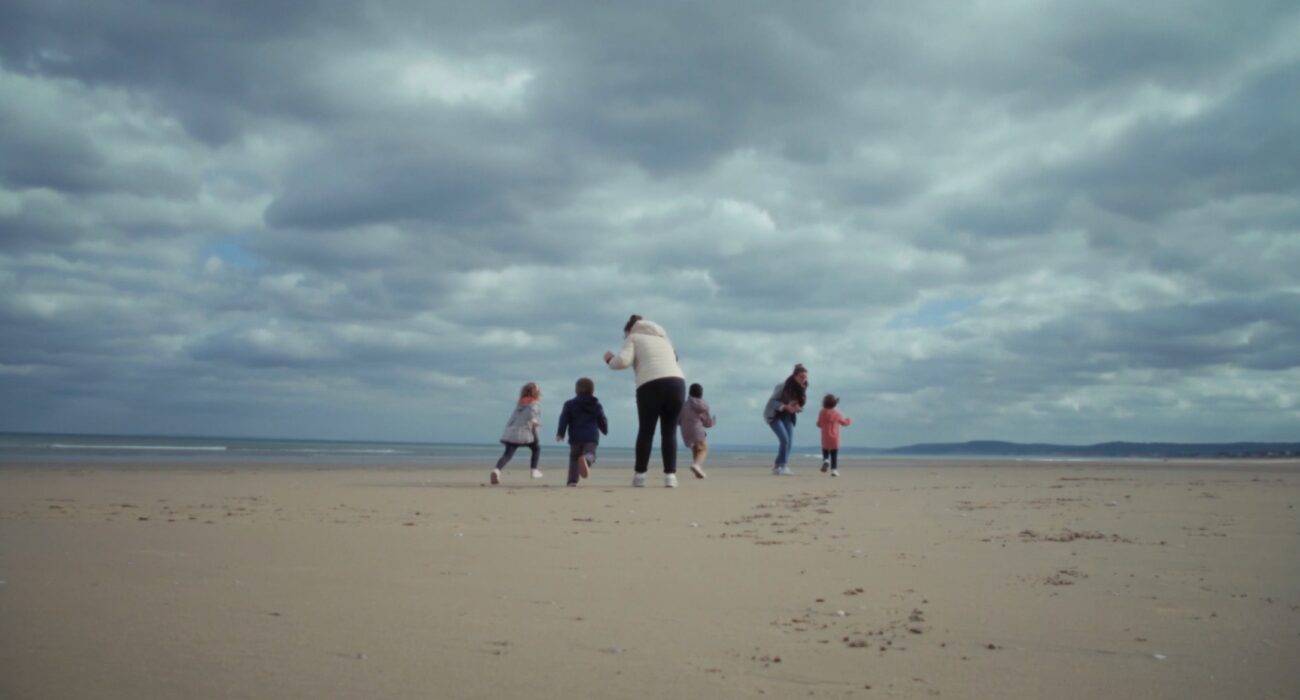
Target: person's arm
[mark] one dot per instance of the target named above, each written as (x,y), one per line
(563,424)
(706,420)
(602,422)
(625,356)
(846,421)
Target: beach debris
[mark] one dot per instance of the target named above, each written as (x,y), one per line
(613,650)
(695,524)
(361,656)
(1064,577)
(1159,657)
(1112,503)
(992,647)
(1068,535)
(841,613)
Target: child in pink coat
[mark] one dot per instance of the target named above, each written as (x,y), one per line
(830,420)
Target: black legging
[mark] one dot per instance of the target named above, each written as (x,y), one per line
(659,401)
(510,452)
(833,456)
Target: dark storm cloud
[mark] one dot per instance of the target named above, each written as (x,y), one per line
(216,65)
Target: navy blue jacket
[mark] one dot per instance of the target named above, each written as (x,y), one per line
(584,418)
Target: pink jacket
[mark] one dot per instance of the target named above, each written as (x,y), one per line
(830,420)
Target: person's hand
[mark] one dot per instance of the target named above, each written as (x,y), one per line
(559,438)
(793,407)
(608,356)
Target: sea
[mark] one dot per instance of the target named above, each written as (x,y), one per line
(56,450)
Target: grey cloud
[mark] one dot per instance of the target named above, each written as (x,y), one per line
(385,180)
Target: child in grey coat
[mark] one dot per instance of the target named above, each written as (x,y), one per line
(521,431)
(694,419)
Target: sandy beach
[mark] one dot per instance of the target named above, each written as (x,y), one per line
(958,579)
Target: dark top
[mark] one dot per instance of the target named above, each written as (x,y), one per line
(584,418)
(794,391)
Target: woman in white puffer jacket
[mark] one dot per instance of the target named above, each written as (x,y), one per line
(660,393)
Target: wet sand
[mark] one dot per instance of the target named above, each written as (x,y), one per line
(971,579)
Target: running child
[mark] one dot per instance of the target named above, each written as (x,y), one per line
(830,420)
(584,419)
(521,430)
(695,418)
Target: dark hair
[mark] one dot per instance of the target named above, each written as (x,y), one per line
(631,322)
(697,391)
(830,401)
(529,389)
(799,368)
(585,386)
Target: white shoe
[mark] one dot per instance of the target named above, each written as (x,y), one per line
(536,473)
(698,471)
(638,480)
(826,464)
(496,477)
(784,471)
(776,469)
(670,481)
(835,472)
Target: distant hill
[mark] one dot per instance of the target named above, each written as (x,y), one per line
(997,448)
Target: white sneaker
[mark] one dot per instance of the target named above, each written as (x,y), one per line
(698,471)
(776,469)
(638,480)
(496,477)
(826,464)
(536,473)
(784,471)
(835,472)
(670,481)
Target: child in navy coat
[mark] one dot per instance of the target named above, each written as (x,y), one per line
(584,419)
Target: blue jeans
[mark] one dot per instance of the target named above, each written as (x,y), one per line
(783,426)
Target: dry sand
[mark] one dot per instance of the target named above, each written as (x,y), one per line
(900,579)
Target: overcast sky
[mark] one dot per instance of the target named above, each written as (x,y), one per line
(1033,221)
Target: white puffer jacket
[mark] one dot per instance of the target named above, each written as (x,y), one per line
(647,350)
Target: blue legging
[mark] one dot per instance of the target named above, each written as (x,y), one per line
(783,426)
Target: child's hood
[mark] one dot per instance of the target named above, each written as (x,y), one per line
(588,404)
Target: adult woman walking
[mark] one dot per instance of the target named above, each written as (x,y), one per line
(660,393)
(786,402)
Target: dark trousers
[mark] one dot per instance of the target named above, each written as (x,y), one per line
(659,401)
(576,450)
(833,456)
(510,452)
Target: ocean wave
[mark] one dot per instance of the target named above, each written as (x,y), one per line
(169,448)
(329,451)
